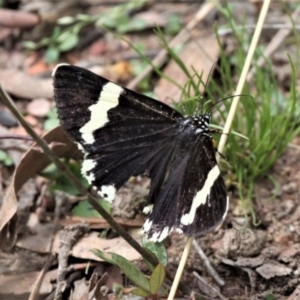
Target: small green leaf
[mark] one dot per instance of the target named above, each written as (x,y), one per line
(84,209)
(5,158)
(69,43)
(52,54)
(158,249)
(140,292)
(131,25)
(128,268)
(118,290)
(66,20)
(157,278)
(174,25)
(270,297)
(63,36)
(83,17)
(50,124)
(29,45)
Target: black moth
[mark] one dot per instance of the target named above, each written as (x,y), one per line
(124,134)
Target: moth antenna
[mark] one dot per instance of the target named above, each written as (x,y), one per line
(205,88)
(183,108)
(224,99)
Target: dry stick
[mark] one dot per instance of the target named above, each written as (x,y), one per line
(92,200)
(211,287)
(226,31)
(182,37)
(34,294)
(212,272)
(226,129)
(274,44)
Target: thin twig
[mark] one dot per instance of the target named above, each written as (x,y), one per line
(16,137)
(34,294)
(211,287)
(225,31)
(227,128)
(212,272)
(242,80)
(182,37)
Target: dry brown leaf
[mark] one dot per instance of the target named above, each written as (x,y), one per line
(272,269)
(5,32)
(17,19)
(200,55)
(22,283)
(80,287)
(99,223)
(117,245)
(250,262)
(33,162)
(20,84)
(39,107)
(242,242)
(114,276)
(41,240)
(295,295)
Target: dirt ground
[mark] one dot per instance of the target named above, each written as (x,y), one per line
(42,228)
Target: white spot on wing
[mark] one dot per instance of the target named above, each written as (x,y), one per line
(88,165)
(201,196)
(109,98)
(156,236)
(79,146)
(108,192)
(147,226)
(179,230)
(160,236)
(148,209)
(55,69)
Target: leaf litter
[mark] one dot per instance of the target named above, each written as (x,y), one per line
(262,260)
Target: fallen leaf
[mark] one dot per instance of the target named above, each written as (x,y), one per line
(32,121)
(20,84)
(40,242)
(5,33)
(116,245)
(288,254)
(114,276)
(33,161)
(17,18)
(19,130)
(272,269)
(250,262)
(37,67)
(39,107)
(22,283)
(199,55)
(79,291)
(295,295)
(100,223)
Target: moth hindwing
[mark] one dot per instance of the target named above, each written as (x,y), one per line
(123,134)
